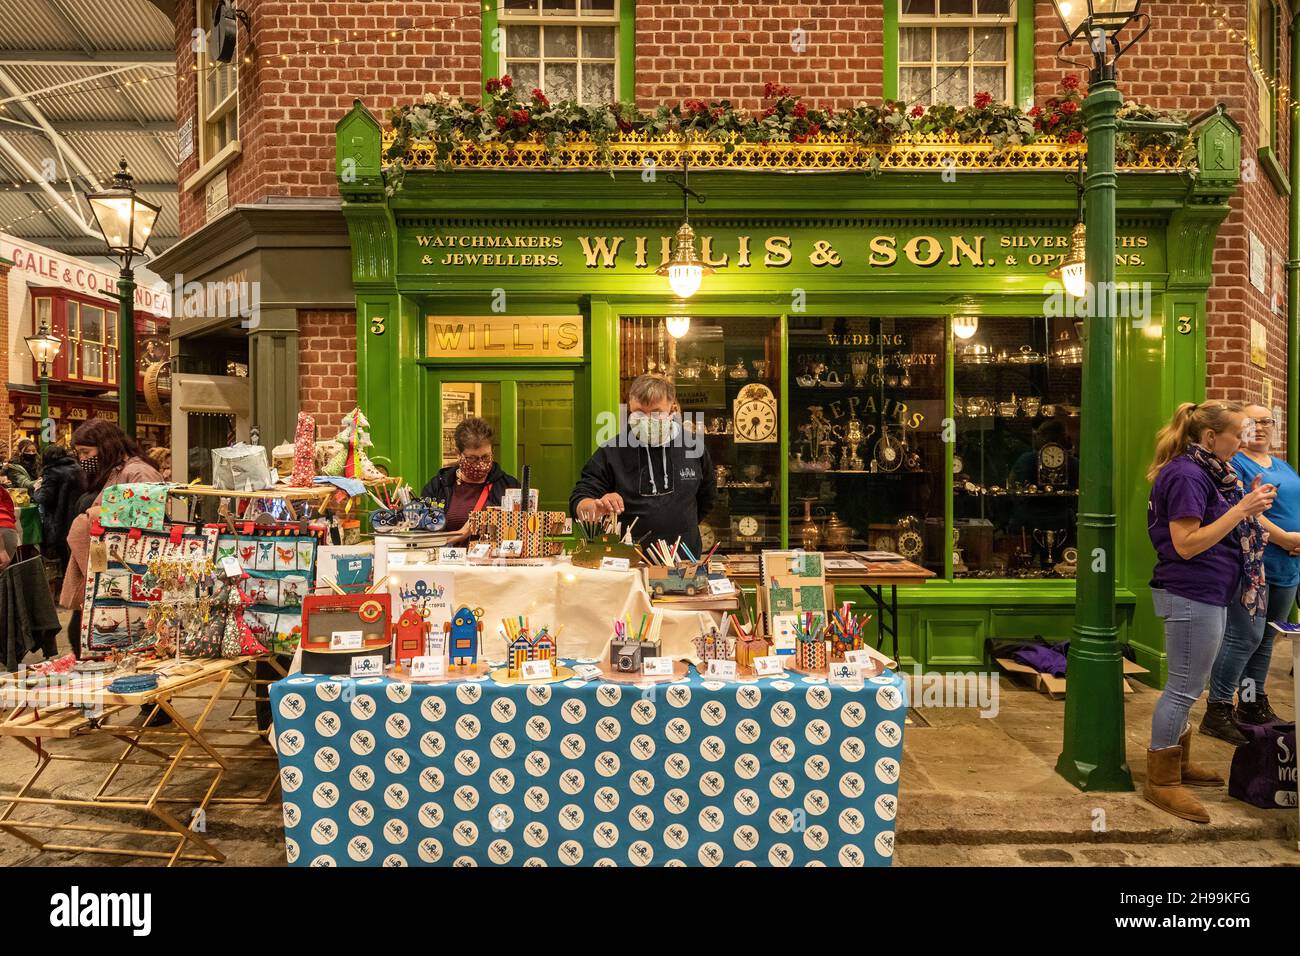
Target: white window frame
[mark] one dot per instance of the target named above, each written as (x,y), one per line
(211,114)
(972,23)
(508,18)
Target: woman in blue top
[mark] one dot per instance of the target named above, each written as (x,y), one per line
(1243,659)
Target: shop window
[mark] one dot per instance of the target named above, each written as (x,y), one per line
(947,51)
(727,371)
(218,95)
(1017,387)
(865,430)
(92,343)
(569,48)
(1262,51)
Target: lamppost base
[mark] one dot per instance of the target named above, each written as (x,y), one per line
(1091,777)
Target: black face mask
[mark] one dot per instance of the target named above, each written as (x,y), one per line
(28,461)
(90,465)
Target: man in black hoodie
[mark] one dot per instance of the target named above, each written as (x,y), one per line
(652,471)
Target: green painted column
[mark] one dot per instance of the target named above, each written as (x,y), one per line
(126,352)
(1093,757)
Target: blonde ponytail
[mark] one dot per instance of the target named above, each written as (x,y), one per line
(1190,421)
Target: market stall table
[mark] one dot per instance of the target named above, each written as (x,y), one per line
(585,601)
(57,723)
(785,771)
(874,578)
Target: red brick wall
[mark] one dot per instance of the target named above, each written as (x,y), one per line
(728,51)
(288,109)
(327,366)
(1169,69)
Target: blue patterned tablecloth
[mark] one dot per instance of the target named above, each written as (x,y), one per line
(775,771)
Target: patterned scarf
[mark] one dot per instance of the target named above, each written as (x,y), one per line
(1250,533)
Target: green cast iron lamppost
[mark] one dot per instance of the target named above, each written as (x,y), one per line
(126,221)
(1092,757)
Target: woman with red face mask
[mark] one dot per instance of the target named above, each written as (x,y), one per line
(475,482)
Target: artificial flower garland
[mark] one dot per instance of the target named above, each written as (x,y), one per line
(507,117)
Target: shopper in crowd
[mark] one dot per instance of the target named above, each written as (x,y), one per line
(650,474)
(22,470)
(107,456)
(161,457)
(60,488)
(8,528)
(475,481)
(1242,663)
(1209,554)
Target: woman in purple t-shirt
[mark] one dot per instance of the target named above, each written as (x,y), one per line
(1209,552)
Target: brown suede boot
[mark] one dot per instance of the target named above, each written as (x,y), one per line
(1164,787)
(1194,775)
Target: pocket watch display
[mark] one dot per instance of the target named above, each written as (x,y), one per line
(888,455)
(747,528)
(910,542)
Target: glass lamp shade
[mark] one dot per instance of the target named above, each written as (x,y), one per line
(44,346)
(1107,15)
(125,219)
(685,270)
(678,325)
(964,326)
(1071,269)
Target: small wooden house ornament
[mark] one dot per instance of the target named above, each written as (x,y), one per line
(525,646)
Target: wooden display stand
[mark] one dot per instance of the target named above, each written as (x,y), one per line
(56,731)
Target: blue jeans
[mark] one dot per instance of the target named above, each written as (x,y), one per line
(1248,647)
(1193,633)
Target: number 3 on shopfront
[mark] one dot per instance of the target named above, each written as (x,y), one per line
(1184,325)
(377,325)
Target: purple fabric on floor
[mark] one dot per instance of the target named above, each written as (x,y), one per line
(1044,658)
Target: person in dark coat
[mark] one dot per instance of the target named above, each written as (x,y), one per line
(21,470)
(475,482)
(62,483)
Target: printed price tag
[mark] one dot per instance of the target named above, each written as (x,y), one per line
(870,665)
(721,586)
(657,666)
(845,674)
(480,551)
(428,666)
(768,666)
(587,672)
(512,549)
(614,564)
(451,555)
(725,670)
(230,567)
(369,665)
(345,641)
(536,670)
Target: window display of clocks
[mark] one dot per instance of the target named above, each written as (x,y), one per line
(1017,387)
(867,400)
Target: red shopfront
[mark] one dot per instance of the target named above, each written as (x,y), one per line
(84,376)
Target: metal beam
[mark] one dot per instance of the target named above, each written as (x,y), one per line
(62,146)
(164,188)
(86,58)
(34,175)
(152,127)
(87,248)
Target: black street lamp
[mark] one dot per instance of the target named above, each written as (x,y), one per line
(126,222)
(1092,752)
(44,346)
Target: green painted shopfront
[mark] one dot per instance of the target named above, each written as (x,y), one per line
(910,376)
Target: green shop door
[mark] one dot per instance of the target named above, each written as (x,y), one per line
(541,418)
